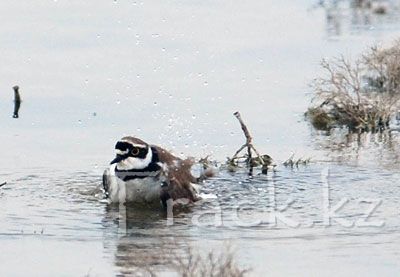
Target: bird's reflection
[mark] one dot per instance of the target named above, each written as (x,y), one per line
(140,239)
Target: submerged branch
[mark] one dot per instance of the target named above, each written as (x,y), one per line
(258,160)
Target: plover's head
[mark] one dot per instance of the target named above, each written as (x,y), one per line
(132,153)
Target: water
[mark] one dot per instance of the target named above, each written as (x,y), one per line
(173,73)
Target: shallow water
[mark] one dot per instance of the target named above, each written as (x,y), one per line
(173,73)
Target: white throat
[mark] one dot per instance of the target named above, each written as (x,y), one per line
(136,163)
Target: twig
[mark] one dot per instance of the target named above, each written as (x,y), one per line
(3,184)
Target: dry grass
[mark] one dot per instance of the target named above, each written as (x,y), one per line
(192,263)
(363,94)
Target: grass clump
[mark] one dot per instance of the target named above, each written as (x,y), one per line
(362,95)
(293,162)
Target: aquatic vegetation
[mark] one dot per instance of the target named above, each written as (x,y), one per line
(378,7)
(293,162)
(362,95)
(373,6)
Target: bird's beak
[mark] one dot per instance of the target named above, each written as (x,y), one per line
(117,159)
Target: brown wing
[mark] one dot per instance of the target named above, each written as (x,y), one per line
(178,175)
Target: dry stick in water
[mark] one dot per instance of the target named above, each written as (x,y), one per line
(249,143)
(17,101)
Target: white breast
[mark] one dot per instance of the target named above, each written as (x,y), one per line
(144,190)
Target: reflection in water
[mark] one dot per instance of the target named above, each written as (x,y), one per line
(144,244)
(147,246)
(378,149)
(143,240)
(357,15)
(140,241)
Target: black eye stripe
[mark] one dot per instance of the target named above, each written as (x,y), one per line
(123,146)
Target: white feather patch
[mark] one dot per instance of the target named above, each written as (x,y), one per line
(120,152)
(134,144)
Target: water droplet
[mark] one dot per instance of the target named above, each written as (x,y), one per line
(205,83)
(155,103)
(193,116)
(79,121)
(118,102)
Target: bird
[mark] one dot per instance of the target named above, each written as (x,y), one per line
(147,174)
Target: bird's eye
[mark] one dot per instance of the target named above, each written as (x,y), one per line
(135,151)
